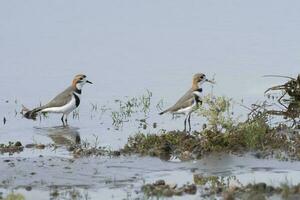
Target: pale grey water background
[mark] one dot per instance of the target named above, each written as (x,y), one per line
(126,47)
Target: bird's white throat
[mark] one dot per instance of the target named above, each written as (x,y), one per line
(79,86)
(201,82)
(199,94)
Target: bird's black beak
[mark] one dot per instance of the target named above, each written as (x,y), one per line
(89,82)
(210,81)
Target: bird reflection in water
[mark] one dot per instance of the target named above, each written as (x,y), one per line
(64,135)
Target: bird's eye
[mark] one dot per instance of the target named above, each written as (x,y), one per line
(80,78)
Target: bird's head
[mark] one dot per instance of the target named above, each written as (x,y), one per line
(200,78)
(79,81)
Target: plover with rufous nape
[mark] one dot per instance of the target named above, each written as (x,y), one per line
(65,102)
(190,100)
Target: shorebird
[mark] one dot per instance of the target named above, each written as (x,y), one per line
(190,100)
(65,102)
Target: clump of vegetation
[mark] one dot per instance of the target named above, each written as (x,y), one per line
(13,196)
(223,134)
(214,185)
(161,189)
(80,151)
(68,193)
(254,132)
(11,148)
(213,181)
(229,188)
(263,191)
(84,149)
(160,145)
(218,113)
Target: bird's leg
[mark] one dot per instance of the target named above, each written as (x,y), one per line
(294,123)
(62,119)
(189,120)
(66,119)
(185,124)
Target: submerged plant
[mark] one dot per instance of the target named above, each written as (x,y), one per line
(145,102)
(130,106)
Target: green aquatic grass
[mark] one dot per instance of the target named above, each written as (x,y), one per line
(13,196)
(253,132)
(129,106)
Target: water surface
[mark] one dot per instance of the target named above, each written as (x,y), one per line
(126,48)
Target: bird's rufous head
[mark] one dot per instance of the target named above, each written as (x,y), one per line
(80,80)
(200,78)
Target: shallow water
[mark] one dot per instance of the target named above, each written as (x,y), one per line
(122,177)
(124,48)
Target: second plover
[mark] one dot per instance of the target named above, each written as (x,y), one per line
(190,100)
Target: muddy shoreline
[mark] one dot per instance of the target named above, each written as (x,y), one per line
(128,174)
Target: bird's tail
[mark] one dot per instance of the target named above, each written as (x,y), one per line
(163,112)
(31,114)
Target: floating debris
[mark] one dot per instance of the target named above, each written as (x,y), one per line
(292,87)
(291,105)
(37,146)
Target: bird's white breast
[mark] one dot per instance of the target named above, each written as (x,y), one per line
(186,110)
(66,109)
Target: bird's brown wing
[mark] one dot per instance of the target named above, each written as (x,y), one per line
(182,105)
(61,99)
(185,98)
(58,101)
